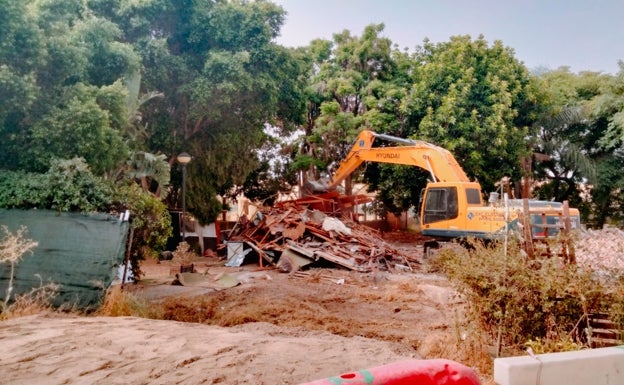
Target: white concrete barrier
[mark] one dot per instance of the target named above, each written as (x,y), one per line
(604,366)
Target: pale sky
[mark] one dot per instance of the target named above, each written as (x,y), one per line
(580,34)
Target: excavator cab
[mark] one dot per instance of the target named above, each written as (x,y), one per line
(448,207)
(442,201)
(440,205)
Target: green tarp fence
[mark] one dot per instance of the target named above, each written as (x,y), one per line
(79,252)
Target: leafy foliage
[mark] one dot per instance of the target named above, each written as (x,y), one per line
(342,88)
(67,102)
(524,299)
(275,175)
(223,81)
(68,185)
(75,188)
(150,222)
(399,187)
(79,129)
(151,171)
(477,101)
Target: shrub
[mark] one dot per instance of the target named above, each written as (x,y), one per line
(150,221)
(68,185)
(74,188)
(518,299)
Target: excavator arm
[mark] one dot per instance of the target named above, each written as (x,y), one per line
(438,161)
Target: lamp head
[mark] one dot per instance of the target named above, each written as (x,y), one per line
(184,158)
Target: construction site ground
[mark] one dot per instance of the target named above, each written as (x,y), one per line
(246,325)
(409,308)
(418,313)
(256,325)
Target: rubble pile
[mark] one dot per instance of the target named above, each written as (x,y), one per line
(601,248)
(293,236)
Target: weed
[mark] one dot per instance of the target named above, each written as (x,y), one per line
(184,254)
(12,249)
(514,299)
(37,301)
(119,303)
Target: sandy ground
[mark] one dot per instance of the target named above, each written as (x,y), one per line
(281,329)
(126,350)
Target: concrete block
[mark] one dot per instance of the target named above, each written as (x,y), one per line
(604,366)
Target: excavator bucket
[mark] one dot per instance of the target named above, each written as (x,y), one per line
(312,187)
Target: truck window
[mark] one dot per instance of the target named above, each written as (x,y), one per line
(473,196)
(440,204)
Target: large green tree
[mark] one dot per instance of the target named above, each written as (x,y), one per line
(21,54)
(477,101)
(71,63)
(347,73)
(223,81)
(607,149)
(565,141)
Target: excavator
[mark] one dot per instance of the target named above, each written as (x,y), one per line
(452,206)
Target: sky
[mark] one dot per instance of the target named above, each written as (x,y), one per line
(583,35)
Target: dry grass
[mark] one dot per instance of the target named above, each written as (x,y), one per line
(119,303)
(397,310)
(12,249)
(464,344)
(37,301)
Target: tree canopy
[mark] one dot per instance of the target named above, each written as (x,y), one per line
(127,85)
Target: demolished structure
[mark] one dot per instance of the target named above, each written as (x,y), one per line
(292,236)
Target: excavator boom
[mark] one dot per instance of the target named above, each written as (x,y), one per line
(438,161)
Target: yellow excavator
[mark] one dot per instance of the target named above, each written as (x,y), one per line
(452,206)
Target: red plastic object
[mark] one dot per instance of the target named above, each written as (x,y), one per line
(411,372)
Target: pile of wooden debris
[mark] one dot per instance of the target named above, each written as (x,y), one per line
(292,237)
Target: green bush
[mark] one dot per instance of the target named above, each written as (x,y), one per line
(150,221)
(75,188)
(523,299)
(68,185)
(21,190)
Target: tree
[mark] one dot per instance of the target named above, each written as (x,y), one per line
(343,83)
(607,110)
(21,53)
(477,101)
(76,127)
(222,80)
(570,140)
(71,103)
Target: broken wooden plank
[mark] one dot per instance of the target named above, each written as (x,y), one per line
(349,264)
(260,252)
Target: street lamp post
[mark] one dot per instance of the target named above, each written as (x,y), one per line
(183,159)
